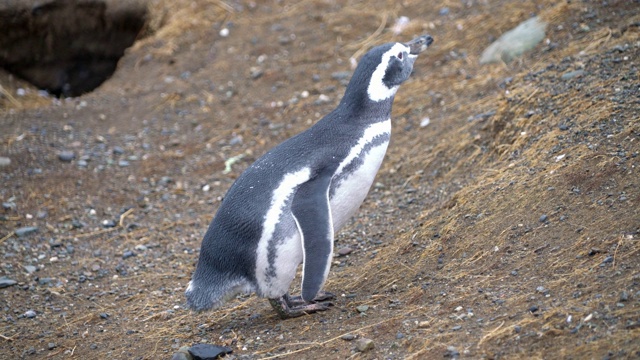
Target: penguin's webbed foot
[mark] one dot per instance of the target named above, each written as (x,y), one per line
(294,306)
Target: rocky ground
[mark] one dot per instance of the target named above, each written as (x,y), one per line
(504,222)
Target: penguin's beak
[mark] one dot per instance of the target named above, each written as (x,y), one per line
(419,44)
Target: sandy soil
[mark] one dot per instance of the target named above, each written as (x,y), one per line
(508,227)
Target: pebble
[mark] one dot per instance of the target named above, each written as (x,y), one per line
(30,314)
(4,161)
(117,150)
(340,75)
(51,346)
(182,354)
(66,155)
(127,254)
(208,351)
(343,251)
(6,282)
(30,269)
(544,218)
(108,223)
(123,163)
(517,329)
(624,296)
(456,328)
(423,324)
(348,337)
(27,230)
(8,205)
(399,336)
(515,42)
(571,74)
(451,352)
(364,344)
(362,308)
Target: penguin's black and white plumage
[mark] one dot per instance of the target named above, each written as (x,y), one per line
(286,207)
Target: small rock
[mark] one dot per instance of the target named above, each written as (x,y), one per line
(30,314)
(45,281)
(364,344)
(30,269)
(8,205)
(348,337)
(444,11)
(108,223)
(4,161)
(127,254)
(6,282)
(343,251)
(66,155)
(123,163)
(624,296)
(608,259)
(456,328)
(340,75)
(224,32)
(515,42)
(104,316)
(27,230)
(182,354)
(534,308)
(208,351)
(399,336)
(51,346)
(543,218)
(423,324)
(514,273)
(451,352)
(517,329)
(322,99)
(362,308)
(541,289)
(571,74)
(117,150)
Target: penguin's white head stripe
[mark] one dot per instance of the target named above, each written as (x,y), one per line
(377,89)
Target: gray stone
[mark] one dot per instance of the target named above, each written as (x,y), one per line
(345,250)
(6,282)
(66,155)
(27,230)
(515,42)
(571,74)
(208,351)
(364,344)
(4,161)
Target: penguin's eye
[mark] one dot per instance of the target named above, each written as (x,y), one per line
(400,56)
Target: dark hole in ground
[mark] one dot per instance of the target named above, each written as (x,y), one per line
(67,47)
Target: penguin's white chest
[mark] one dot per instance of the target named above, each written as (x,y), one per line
(356,173)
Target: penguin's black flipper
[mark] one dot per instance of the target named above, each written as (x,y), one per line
(311,210)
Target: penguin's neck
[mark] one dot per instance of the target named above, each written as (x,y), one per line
(357,106)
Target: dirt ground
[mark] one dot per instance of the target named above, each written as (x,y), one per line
(508,227)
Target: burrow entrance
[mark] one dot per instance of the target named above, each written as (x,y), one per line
(67,47)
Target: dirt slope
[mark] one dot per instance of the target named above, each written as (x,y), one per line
(508,227)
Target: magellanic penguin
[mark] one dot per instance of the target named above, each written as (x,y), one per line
(286,207)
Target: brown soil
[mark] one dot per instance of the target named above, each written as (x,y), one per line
(508,227)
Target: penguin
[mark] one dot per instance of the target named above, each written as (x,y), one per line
(285,208)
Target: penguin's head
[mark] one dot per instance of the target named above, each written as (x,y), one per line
(387,66)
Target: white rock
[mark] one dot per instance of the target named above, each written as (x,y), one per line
(515,42)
